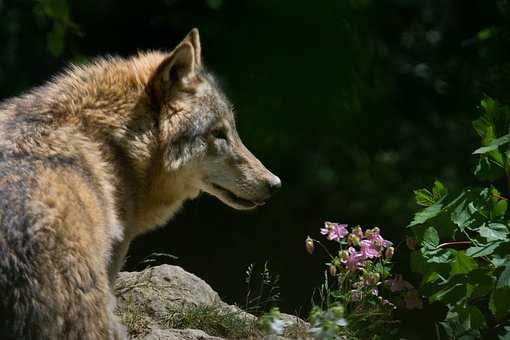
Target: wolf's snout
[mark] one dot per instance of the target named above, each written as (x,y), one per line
(274,183)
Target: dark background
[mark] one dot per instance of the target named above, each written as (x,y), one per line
(352,103)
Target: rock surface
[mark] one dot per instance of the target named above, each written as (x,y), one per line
(152,302)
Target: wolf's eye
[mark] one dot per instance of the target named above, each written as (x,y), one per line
(219,134)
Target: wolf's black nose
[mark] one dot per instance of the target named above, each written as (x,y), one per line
(274,184)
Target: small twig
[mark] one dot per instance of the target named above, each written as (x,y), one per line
(456,243)
(501,197)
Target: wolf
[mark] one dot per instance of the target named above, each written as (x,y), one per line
(100,154)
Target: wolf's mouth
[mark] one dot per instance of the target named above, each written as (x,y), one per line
(230,196)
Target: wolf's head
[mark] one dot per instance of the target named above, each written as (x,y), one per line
(199,132)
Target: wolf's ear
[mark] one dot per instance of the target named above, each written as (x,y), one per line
(193,38)
(179,66)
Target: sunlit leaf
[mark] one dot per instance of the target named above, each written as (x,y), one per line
(484,250)
(463,264)
(504,278)
(494,231)
(493,145)
(427,213)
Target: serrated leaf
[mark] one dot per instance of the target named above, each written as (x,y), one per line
(430,238)
(499,208)
(494,232)
(441,256)
(484,250)
(427,213)
(424,197)
(485,128)
(463,264)
(493,145)
(504,278)
(439,190)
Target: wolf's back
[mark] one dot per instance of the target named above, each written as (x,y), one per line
(19,315)
(52,248)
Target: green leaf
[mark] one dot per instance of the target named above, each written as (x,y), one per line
(484,250)
(494,232)
(56,9)
(485,34)
(493,145)
(499,208)
(463,264)
(424,197)
(430,238)
(439,189)
(488,169)
(504,333)
(482,281)
(484,126)
(215,4)
(499,303)
(418,264)
(451,294)
(55,39)
(427,213)
(504,278)
(471,318)
(440,256)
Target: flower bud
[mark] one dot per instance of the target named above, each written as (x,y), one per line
(343,255)
(368,233)
(358,232)
(389,252)
(353,240)
(371,279)
(332,270)
(309,246)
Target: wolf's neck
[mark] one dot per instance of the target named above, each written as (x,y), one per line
(108,102)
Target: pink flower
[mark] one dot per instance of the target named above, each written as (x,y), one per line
(387,303)
(354,259)
(398,284)
(368,251)
(412,300)
(334,231)
(378,241)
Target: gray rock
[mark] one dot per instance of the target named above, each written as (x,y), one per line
(148,300)
(162,288)
(178,334)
